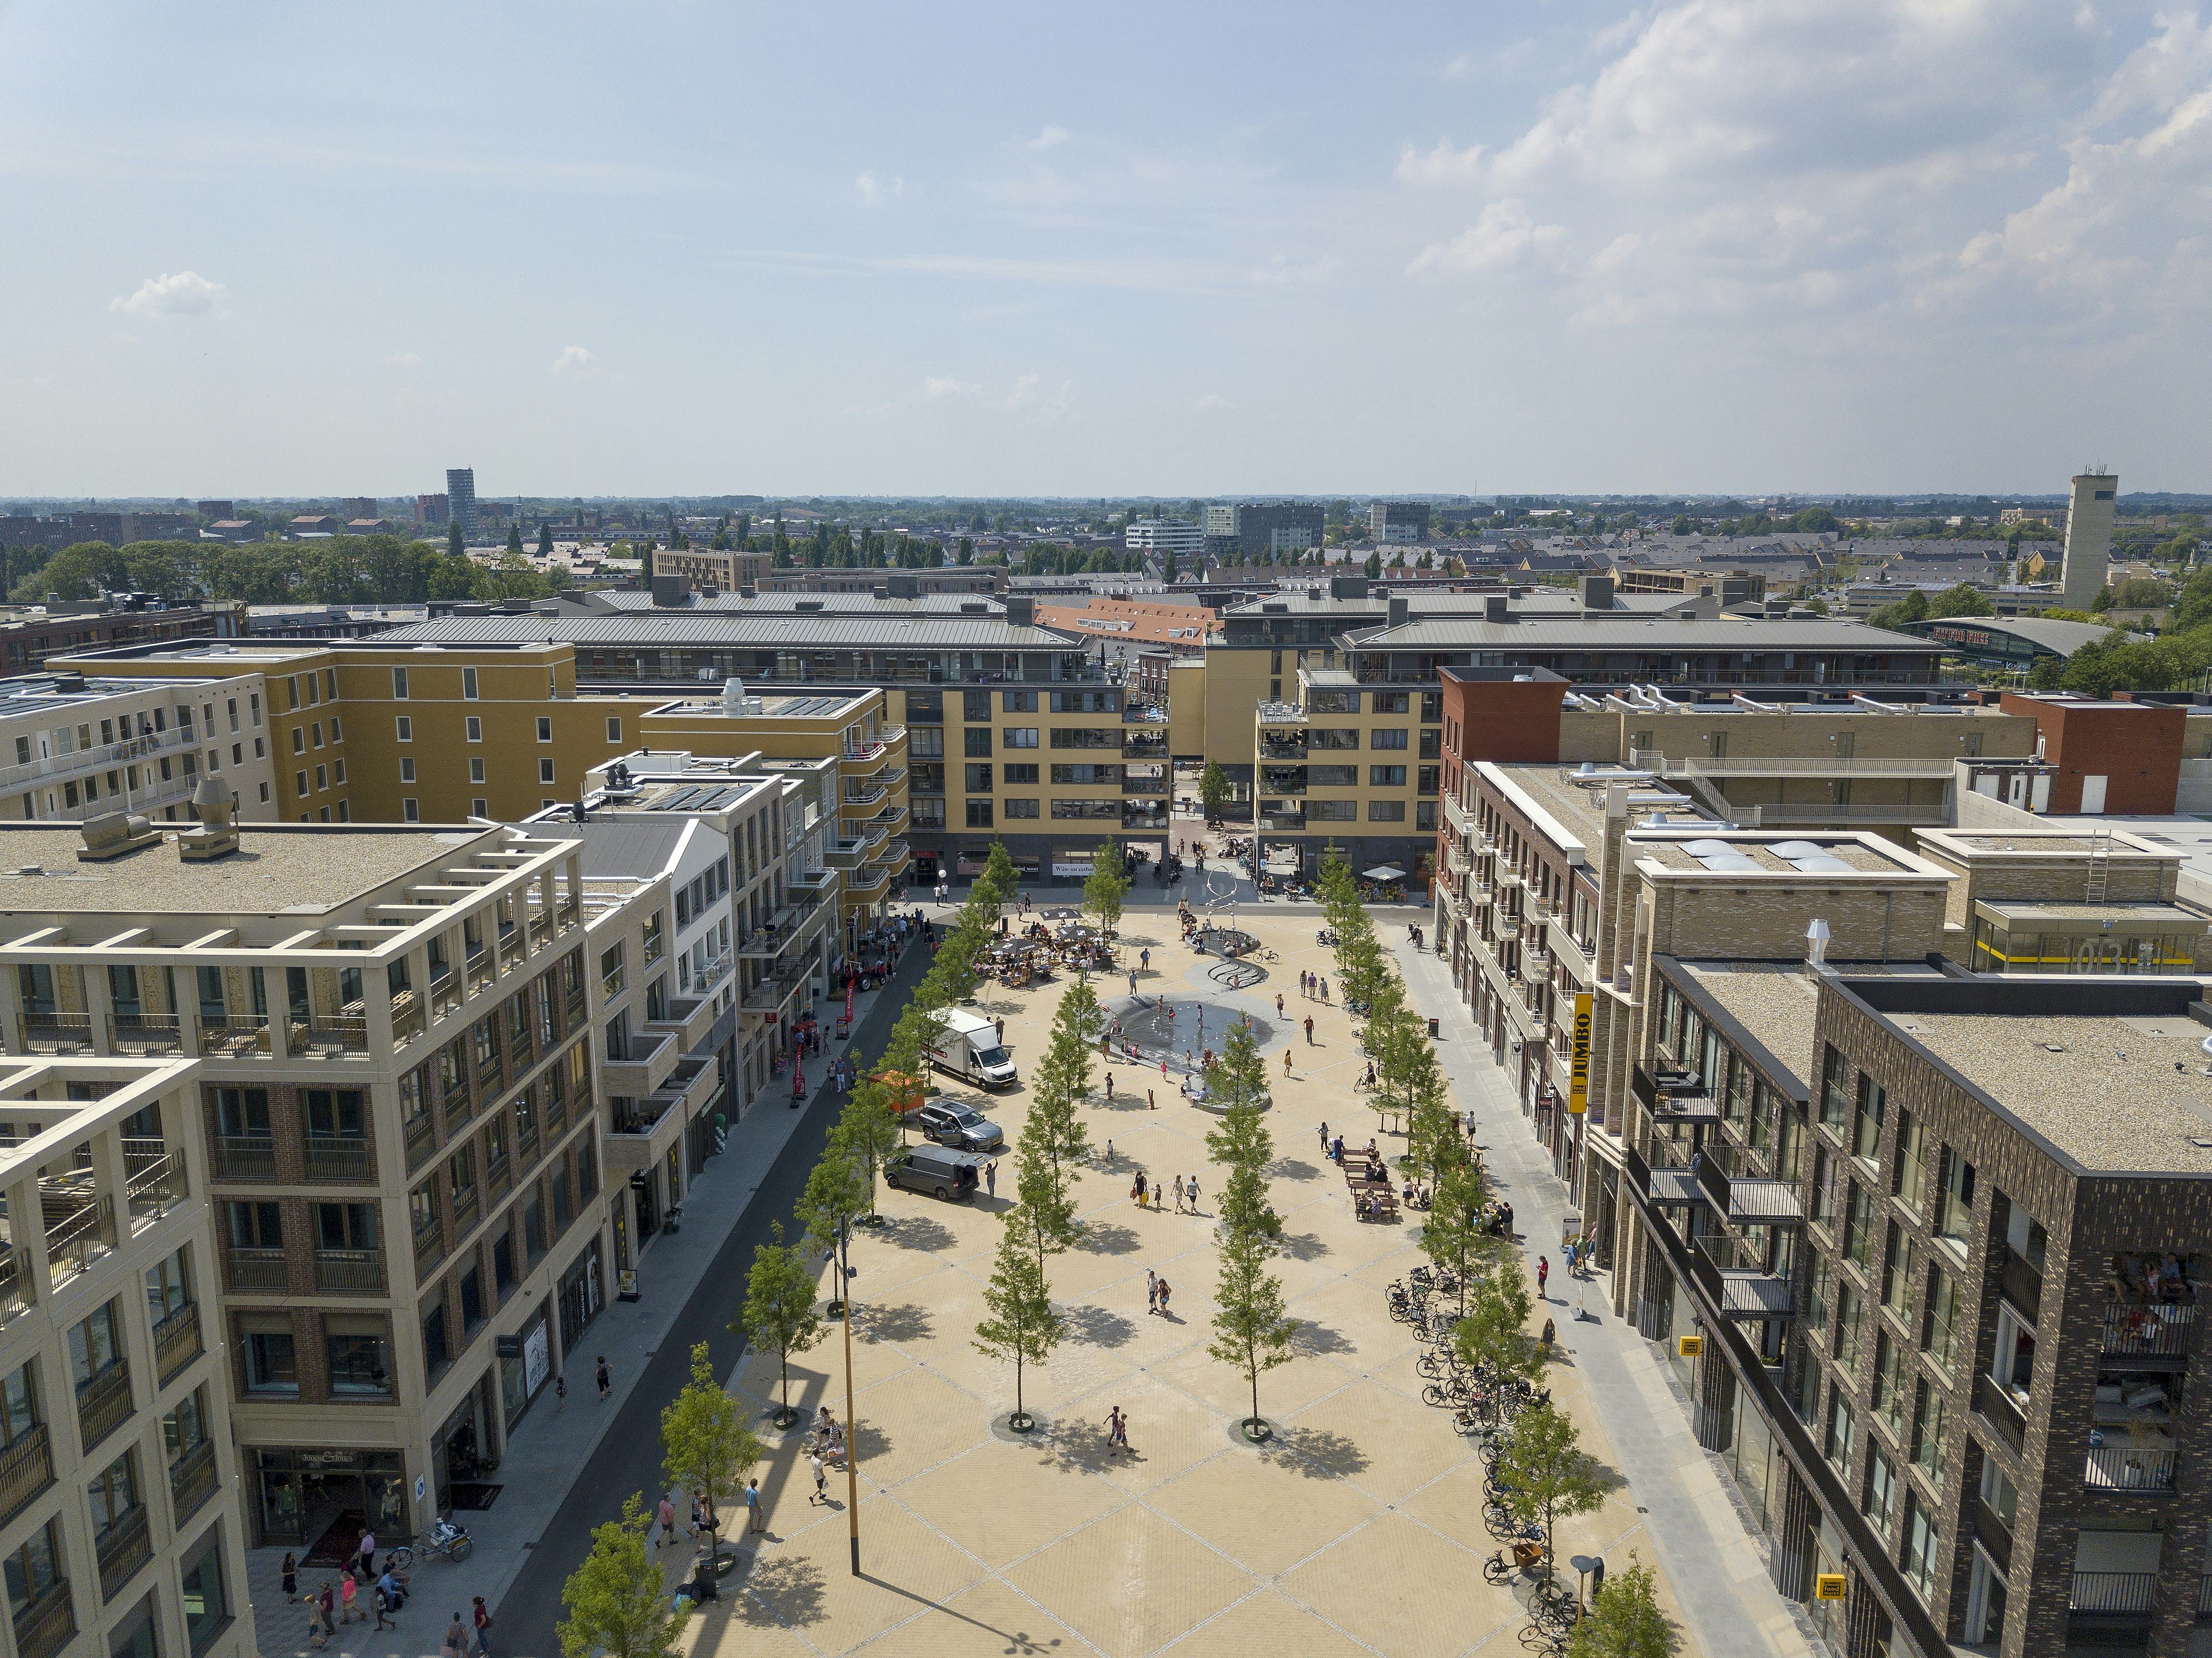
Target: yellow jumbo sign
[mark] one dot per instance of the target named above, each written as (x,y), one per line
(1578,1073)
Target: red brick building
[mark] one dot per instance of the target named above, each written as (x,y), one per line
(2112,756)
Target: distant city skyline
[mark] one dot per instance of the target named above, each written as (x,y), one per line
(1699,246)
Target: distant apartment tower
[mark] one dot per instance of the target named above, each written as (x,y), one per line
(2088,557)
(1161,536)
(461,497)
(1255,528)
(1398,521)
(358,506)
(429,509)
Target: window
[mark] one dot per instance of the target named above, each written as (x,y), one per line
(322,777)
(410,811)
(33,1568)
(479,807)
(335,1114)
(1955,1202)
(1919,1559)
(1386,777)
(1818,1293)
(207,1604)
(1858,1225)
(1904,1265)
(114,1494)
(1941,1340)
(974,705)
(1017,701)
(979,779)
(19,1406)
(1842,1429)
(1021,809)
(545,729)
(406,767)
(926,742)
(469,684)
(360,1356)
(1889,1383)
(168,1287)
(299,739)
(545,771)
(1930,1430)
(472,1303)
(475,768)
(345,1226)
(1328,738)
(979,814)
(1835,1090)
(2011,1362)
(614,731)
(976,740)
(271,1367)
(474,725)
(300,782)
(1912,1161)
(1332,811)
(928,814)
(1850,1325)
(1333,777)
(1881,1504)
(1018,737)
(1386,811)
(318,732)
(1866,1134)
(1018,774)
(1386,737)
(1826,1173)
(1391,701)
(399,684)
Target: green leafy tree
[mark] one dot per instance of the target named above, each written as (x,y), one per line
(1109,884)
(616,1602)
(1544,1476)
(870,1130)
(1451,1229)
(1251,1329)
(705,1446)
(544,539)
(1021,1325)
(1240,1141)
(1625,1620)
(1000,875)
(1373,567)
(1055,1137)
(835,1194)
(515,539)
(1964,599)
(780,1314)
(1213,788)
(1495,1334)
(457,545)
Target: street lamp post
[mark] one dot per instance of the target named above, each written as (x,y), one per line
(852,1422)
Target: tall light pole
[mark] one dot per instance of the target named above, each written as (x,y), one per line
(852,1422)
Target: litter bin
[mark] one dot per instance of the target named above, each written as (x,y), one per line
(1432,1027)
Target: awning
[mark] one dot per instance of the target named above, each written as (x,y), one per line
(1385,872)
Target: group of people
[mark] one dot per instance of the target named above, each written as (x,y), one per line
(1314,987)
(338,1600)
(1146,1192)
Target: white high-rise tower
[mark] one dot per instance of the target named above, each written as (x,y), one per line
(2088,539)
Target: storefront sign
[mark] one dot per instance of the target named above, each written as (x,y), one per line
(1081,871)
(536,1357)
(1578,1071)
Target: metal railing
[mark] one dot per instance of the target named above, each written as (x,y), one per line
(445,994)
(1996,1407)
(342,1033)
(122,1548)
(2129,1468)
(192,1479)
(44,1627)
(15,1292)
(80,1237)
(148,1033)
(350,1271)
(234,1035)
(154,1177)
(466,1210)
(176,1340)
(246,1157)
(57,1033)
(253,1271)
(340,1157)
(103,1401)
(429,1246)
(27,1467)
(2160,1329)
(2112,1591)
(422,1134)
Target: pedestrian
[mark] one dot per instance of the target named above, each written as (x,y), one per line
(365,1547)
(1109,1088)
(1145,958)
(1192,1190)
(1287,1062)
(1543,1272)
(698,1518)
(1164,1298)
(1152,1290)
(388,1590)
(1133,982)
(348,1592)
(484,1627)
(1178,1192)
(821,1481)
(560,1395)
(1117,1428)
(1324,1136)
(1324,992)
(382,1602)
(606,1379)
(326,1604)
(1279,1004)
(1141,1187)
(1309,1030)
(991,1177)
(667,1514)
(1109,1150)
(291,1571)
(756,1516)
(455,1642)
(1152,1099)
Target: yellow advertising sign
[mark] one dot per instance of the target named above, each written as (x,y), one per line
(1689,1346)
(1578,1073)
(1828,1586)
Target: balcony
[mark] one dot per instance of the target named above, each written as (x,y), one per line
(27,1467)
(894,856)
(2132,1467)
(235,1036)
(177,1341)
(254,1272)
(122,1548)
(148,1033)
(335,1034)
(1289,714)
(57,1033)
(1133,781)
(1282,779)
(444,994)
(1143,745)
(153,1178)
(2110,1593)
(80,1227)
(45,1625)
(868,882)
(467,1208)
(192,1479)
(863,794)
(103,1402)
(407,1019)
(769,995)
(350,1271)
(2157,1330)
(480,970)
(429,1246)
(1283,822)
(631,1071)
(347,1158)
(422,1141)
(1996,1407)
(1144,815)
(15,1284)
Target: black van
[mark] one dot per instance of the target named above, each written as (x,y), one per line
(936,1169)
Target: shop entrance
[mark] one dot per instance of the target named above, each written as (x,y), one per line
(460,1453)
(325,1498)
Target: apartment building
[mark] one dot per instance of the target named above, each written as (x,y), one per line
(2052,899)
(726,570)
(73,747)
(1394,521)
(1164,537)
(1948,1314)
(1346,769)
(973,579)
(1730,587)
(29,638)
(398,1101)
(115,1440)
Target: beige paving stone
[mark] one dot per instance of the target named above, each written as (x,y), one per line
(1267,1624)
(1402,1590)
(1130,1583)
(1266,1510)
(1283,1391)
(1168,1430)
(989,1618)
(1000,1502)
(1383,1443)
(915,1421)
(805,1585)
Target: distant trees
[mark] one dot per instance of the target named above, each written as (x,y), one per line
(340,570)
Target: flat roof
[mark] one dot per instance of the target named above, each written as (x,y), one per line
(1593,630)
(305,868)
(2017,911)
(797,631)
(1575,802)
(1774,1002)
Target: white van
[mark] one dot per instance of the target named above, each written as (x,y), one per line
(967,1045)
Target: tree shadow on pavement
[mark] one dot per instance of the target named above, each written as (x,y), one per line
(1080,1447)
(901,1321)
(1290,1169)
(1318,1453)
(917,1232)
(1319,1338)
(783,1589)
(1302,1246)
(1099,1327)
(1109,1238)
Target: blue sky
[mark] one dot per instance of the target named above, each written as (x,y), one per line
(1729,245)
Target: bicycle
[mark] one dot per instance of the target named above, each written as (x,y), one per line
(446,1537)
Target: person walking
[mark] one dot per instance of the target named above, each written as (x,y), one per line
(291,1572)
(606,1379)
(381,1600)
(991,1178)
(1543,1272)
(483,1616)
(1164,1298)
(1152,1290)
(560,1395)
(821,1479)
(456,1641)
(667,1514)
(365,1547)
(1178,1192)
(1279,1004)
(1193,1190)
(326,1602)
(1309,1041)
(1133,982)
(349,1593)
(1152,1099)
(1287,1062)
(756,1516)
(1109,1088)
(1117,1430)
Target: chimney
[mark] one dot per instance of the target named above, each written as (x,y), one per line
(670,591)
(1497,607)
(1597,591)
(1021,611)
(1816,942)
(1402,611)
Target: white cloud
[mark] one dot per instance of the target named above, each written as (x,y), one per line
(1051,138)
(1441,166)
(947,386)
(404,360)
(187,294)
(1211,400)
(1502,233)
(875,191)
(574,359)
(1282,272)
(1024,392)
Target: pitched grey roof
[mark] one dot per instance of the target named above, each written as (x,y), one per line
(1632,633)
(800,630)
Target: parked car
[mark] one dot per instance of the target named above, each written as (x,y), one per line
(961,1126)
(936,1169)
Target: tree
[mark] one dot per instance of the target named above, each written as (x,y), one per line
(514,538)
(1374,565)
(544,539)
(999,874)
(1054,1136)
(1251,1329)
(1213,788)
(1682,525)
(1543,1475)
(1108,885)
(1021,1325)
(835,1194)
(1964,599)
(1495,1334)
(1624,1621)
(1813,519)
(870,1131)
(705,1447)
(779,1311)
(617,1608)
(457,545)
(1452,1230)
(1240,1141)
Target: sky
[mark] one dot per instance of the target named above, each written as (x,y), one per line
(1730,245)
